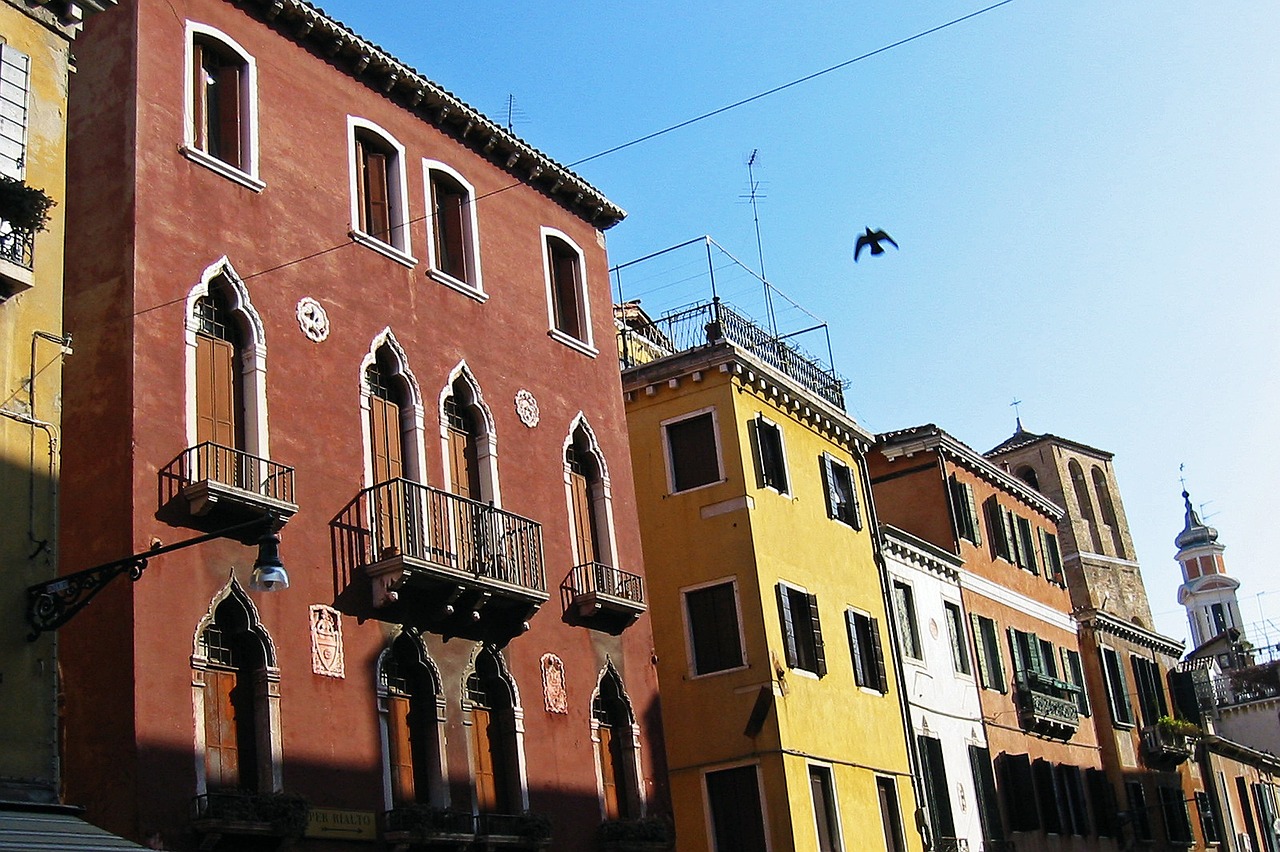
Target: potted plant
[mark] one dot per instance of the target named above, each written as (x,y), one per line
(636,835)
(1178,728)
(25,208)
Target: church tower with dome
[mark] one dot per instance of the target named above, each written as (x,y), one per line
(1208,594)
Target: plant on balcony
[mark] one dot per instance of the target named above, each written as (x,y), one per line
(534,826)
(431,821)
(636,834)
(24,207)
(1178,727)
(287,813)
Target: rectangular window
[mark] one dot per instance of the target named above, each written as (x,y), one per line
(1018,786)
(955,632)
(373,188)
(1025,651)
(1052,557)
(904,610)
(984,785)
(1151,700)
(937,791)
(867,653)
(15,83)
(1117,688)
(737,818)
(771,464)
(1102,797)
(841,492)
(692,451)
(999,530)
(450,203)
(986,647)
(801,632)
(567,307)
(822,787)
(217,100)
(712,615)
(966,511)
(1177,822)
(1026,554)
(1073,673)
(1071,787)
(890,815)
(1140,818)
(1208,818)
(1250,827)
(1046,793)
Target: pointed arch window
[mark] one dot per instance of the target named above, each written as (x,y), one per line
(237,699)
(1081,489)
(394,438)
(413,716)
(220,426)
(494,718)
(615,735)
(469,443)
(1108,509)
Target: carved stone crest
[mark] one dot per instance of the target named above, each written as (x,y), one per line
(527,408)
(313,319)
(326,642)
(553,691)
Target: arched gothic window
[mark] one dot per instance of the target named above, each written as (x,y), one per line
(413,715)
(496,751)
(1108,510)
(616,739)
(1081,489)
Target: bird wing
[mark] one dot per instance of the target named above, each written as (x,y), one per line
(888,239)
(863,240)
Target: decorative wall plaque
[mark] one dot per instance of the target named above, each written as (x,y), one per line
(527,408)
(312,319)
(326,642)
(553,691)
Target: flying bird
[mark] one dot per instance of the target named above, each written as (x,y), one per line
(873,239)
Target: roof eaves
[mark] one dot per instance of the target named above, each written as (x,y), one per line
(403,84)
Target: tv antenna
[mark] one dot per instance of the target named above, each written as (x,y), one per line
(754,195)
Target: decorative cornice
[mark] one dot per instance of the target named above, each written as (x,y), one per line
(1105,623)
(904,442)
(1237,751)
(62,16)
(994,591)
(362,59)
(920,553)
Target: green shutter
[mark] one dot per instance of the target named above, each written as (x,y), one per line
(788,627)
(819,649)
(877,649)
(972,508)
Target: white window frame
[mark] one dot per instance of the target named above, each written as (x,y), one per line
(760,419)
(471,233)
(666,449)
(706,803)
(412,442)
(688,627)
(601,504)
(400,249)
(913,628)
(486,441)
(835,803)
(962,637)
(249,177)
(438,768)
(799,669)
(586,345)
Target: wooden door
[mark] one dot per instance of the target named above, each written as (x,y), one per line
(388,467)
(486,780)
(216,414)
(221,747)
(400,747)
(584,527)
(609,766)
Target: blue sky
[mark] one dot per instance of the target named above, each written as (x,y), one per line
(1086,196)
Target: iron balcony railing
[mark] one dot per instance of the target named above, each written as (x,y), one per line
(16,246)
(607,580)
(1161,745)
(210,462)
(400,518)
(427,821)
(712,321)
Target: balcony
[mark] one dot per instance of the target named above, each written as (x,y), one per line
(1046,705)
(599,592)
(429,827)
(210,475)
(237,813)
(710,322)
(17,260)
(1163,747)
(448,563)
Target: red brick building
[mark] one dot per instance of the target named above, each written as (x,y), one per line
(308,284)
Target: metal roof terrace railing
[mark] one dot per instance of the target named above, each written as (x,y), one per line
(710,322)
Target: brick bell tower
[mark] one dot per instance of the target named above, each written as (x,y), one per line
(1206,591)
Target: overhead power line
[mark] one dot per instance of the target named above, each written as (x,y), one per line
(648,136)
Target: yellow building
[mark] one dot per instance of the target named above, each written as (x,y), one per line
(35,51)
(780,701)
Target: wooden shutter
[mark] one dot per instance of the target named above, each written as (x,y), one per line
(829,485)
(935,783)
(606,750)
(483,763)
(221,749)
(400,747)
(975,526)
(215,391)
(737,817)
(199,99)
(980,651)
(819,648)
(1117,688)
(984,785)
(855,505)
(384,422)
(583,519)
(229,114)
(375,207)
(882,678)
(450,244)
(1102,797)
(996,527)
(788,627)
(564,289)
(1019,790)
(861,676)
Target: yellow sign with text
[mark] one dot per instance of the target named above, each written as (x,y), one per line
(334,824)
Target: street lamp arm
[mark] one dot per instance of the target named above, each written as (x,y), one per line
(53,603)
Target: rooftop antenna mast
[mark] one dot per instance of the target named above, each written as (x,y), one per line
(753,195)
(511,108)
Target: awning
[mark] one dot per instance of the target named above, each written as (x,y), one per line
(53,828)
